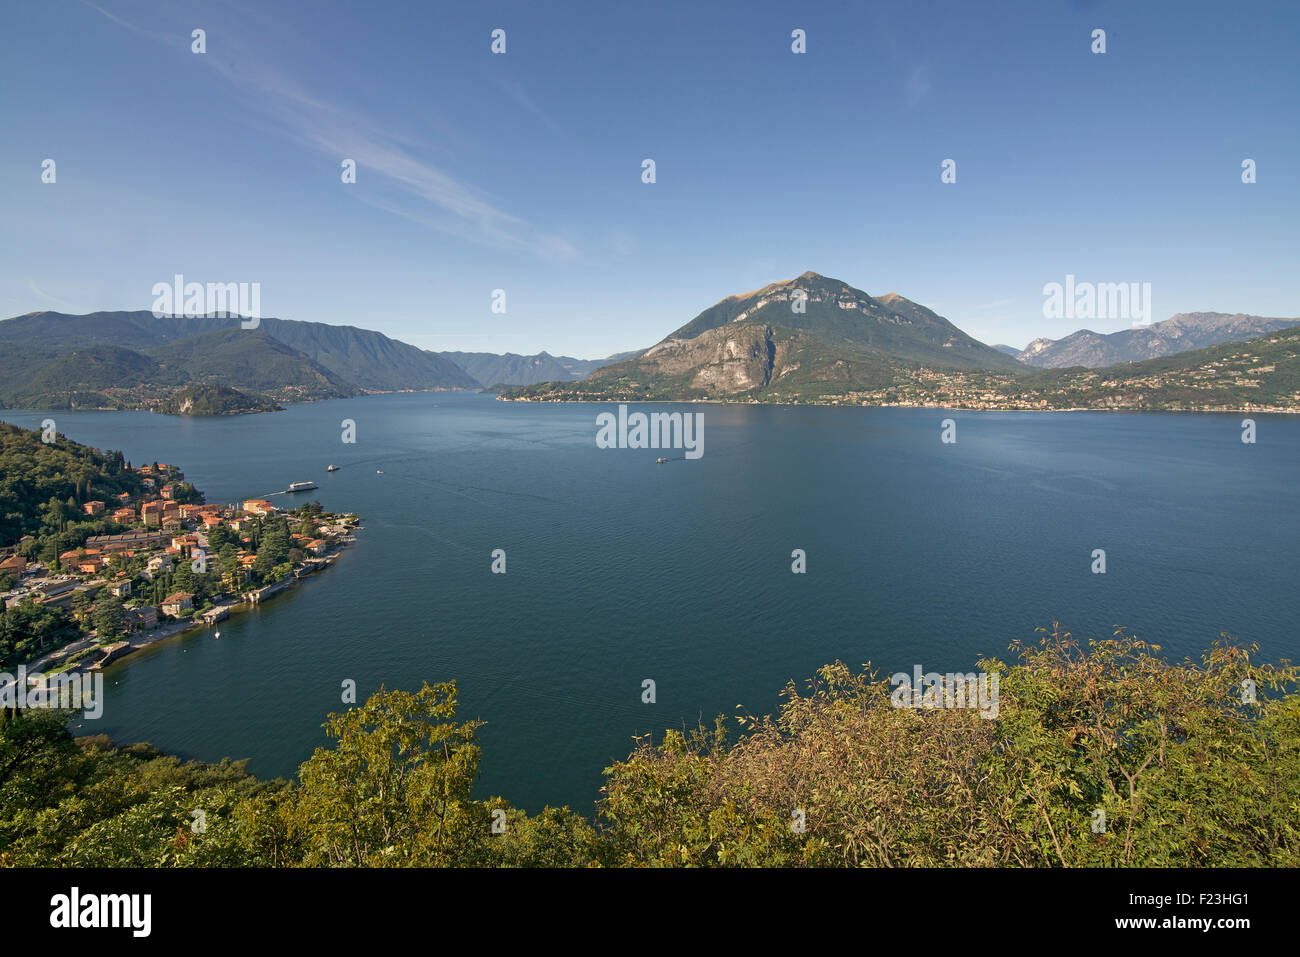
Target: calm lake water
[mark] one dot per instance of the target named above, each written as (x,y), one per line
(621,570)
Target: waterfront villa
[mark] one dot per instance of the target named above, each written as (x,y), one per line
(178,604)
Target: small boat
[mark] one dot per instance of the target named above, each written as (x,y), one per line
(379,471)
(332,468)
(660,461)
(301,486)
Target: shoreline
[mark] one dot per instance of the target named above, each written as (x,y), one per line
(893,405)
(223,415)
(500,397)
(180,626)
(116,652)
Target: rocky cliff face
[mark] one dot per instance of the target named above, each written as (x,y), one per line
(725,361)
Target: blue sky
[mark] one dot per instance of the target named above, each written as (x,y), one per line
(522,171)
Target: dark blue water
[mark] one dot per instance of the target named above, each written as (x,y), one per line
(621,570)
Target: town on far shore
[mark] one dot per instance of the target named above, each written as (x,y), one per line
(163,561)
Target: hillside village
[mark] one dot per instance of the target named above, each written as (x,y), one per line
(163,560)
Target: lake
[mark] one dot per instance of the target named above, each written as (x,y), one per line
(619,570)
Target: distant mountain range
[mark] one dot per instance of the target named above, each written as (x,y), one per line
(513,370)
(368,361)
(138,360)
(809,339)
(249,362)
(1181,333)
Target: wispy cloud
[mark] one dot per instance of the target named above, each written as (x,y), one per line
(61,303)
(516,92)
(441,201)
(918,84)
(135,28)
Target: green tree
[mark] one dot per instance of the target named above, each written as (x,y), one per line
(1174,759)
(109,618)
(81,602)
(395,787)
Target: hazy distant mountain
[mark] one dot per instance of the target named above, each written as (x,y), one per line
(368,360)
(510,369)
(796,338)
(581,368)
(1183,332)
(490,369)
(1008,350)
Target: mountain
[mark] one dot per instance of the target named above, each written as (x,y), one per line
(115,377)
(764,346)
(510,369)
(1259,375)
(839,315)
(251,360)
(1008,350)
(370,361)
(1183,332)
(42,377)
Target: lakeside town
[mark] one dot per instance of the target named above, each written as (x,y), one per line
(159,560)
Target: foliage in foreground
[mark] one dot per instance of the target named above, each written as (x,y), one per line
(1184,771)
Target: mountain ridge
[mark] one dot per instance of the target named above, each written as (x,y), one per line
(512,369)
(371,361)
(260,368)
(1179,333)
